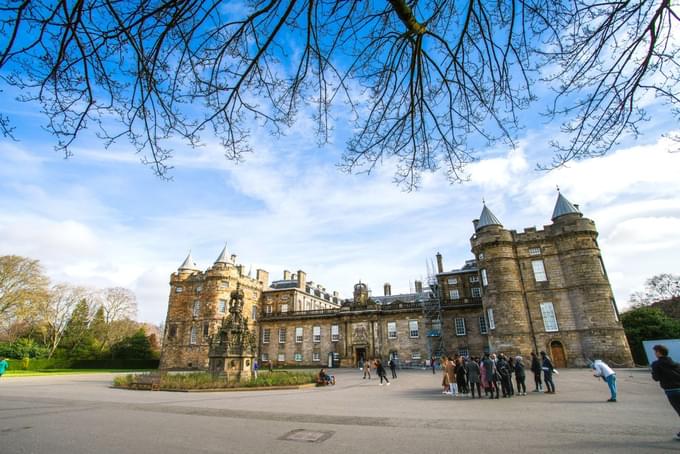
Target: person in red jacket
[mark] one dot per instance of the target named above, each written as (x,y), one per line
(667,373)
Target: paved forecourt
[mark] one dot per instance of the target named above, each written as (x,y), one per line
(81,414)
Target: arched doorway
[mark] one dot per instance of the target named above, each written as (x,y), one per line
(559,358)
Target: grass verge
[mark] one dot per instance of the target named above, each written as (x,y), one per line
(204,380)
(49,372)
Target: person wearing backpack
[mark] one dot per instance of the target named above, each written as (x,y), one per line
(667,373)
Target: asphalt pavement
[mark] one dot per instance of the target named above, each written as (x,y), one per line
(75,414)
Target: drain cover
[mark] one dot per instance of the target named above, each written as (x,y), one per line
(309,436)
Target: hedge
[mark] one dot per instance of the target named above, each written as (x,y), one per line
(63,363)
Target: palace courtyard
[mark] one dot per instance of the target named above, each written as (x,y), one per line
(82,414)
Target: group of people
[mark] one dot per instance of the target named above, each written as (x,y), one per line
(379,369)
(494,373)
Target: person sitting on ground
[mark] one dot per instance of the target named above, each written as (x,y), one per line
(325,378)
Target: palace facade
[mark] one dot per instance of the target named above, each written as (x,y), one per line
(523,291)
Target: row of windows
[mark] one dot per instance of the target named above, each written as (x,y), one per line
(222,306)
(455,293)
(299,334)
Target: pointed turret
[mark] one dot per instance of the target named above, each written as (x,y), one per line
(487,218)
(224,256)
(563,207)
(188,265)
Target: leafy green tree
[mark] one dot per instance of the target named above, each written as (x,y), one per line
(647,323)
(136,346)
(78,341)
(23,289)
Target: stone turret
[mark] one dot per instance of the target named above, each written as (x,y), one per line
(503,296)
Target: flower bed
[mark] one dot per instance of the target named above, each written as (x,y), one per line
(204,380)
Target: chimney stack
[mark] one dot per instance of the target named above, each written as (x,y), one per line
(286,275)
(263,277)
(419,287)
(475,222)
(301,280)
(440,263)
(388,289)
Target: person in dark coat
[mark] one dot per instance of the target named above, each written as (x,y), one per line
(461,376)
(505,374)
(474,377)
(490,372)
(536,369)
(548,370)
(380,369)
(511,365)
(667,373)
(520,376)
(393,367)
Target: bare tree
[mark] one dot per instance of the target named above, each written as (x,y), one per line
(23,287)
(119,306)
(662,287)
(57,310)
(426,81)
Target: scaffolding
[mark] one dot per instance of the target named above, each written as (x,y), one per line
(432,314)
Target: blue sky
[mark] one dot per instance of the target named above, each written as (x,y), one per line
(102,219)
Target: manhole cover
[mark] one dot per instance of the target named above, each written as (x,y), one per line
(309,436)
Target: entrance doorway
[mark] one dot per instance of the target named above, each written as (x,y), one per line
(559,359)
(360,355)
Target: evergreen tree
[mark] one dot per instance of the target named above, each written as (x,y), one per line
(647,323)
(78,342)
(136,346)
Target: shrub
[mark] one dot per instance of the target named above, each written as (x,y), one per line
(205,380)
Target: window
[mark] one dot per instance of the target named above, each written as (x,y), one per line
(197,308)
(266,335)
(268,309)
(223,306)
(206,330)
(194,336)
(316,356)
(415,356)
(464,352)
(539,270)
(254,313)
(391,330)
(616,312)
(534,251)
(460,326)
(335,333)
(549,319)
(413,328)
(298,356)
(316,334)
(224,284)
(476,292)
(485,279)
(264,357)
(489,315)
(452,281)
(482,325)
(454,294)
(282,335)
(172,332)
(284,308)
(298,335)
(602,270)
(179,289)
(281,358)
(474,278)
(436,328)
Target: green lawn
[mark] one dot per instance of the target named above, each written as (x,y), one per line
(45,372)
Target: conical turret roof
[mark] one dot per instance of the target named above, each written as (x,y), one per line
(224,256)
(487,218)
(189,264)
(563,206)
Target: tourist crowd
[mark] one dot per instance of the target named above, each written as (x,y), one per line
(495,375)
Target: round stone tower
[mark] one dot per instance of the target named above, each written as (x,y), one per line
(503,294)
(588,291)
